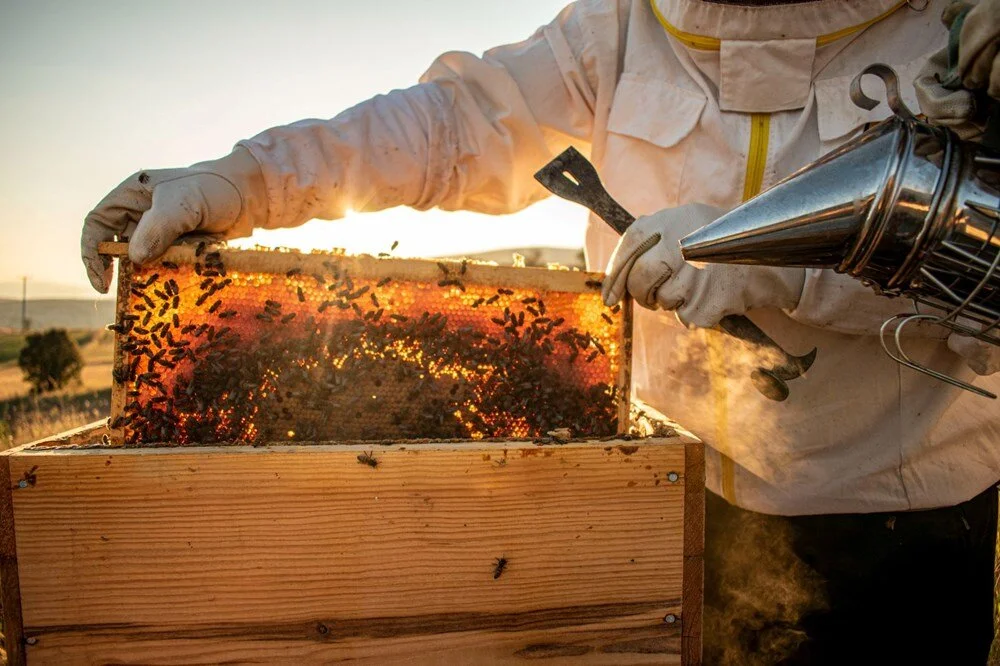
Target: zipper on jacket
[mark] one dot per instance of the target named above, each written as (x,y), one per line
(760,135)
(753,180)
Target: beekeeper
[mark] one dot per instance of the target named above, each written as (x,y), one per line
(883,478)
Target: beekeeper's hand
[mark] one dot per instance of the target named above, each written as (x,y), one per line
(947,85)
(219,199)
(982,357)
(648,263)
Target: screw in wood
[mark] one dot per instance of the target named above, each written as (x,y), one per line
(673,477)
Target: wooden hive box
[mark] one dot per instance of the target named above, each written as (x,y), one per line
(300,554)
(495,544)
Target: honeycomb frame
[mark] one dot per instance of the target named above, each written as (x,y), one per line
(459,299)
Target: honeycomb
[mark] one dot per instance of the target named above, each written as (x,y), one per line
(263,346)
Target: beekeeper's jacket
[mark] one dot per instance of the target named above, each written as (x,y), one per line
(684,101)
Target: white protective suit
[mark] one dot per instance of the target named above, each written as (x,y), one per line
(684,101)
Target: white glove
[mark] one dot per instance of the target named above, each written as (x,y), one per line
(648,263)
(982,357)
(944,84)
(220,199)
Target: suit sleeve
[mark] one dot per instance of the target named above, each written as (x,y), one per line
(469,136)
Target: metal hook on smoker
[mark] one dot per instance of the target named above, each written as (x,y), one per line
(901,357)
(571,176)
(892,97)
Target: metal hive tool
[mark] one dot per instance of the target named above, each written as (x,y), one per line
(260,346)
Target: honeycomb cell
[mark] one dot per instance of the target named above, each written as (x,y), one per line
(254,346)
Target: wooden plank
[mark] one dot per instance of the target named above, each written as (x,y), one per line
(86,435)
(145,547)
(624,379)
(694,553)
(367,266)
(10,586)
(121,358)
(637,639)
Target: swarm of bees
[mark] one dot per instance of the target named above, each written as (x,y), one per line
(213,355)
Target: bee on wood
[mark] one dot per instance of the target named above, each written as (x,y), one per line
(367,458)
(594,284)
(292,272)
(499,565)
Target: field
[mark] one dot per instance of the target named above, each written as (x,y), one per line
(24,417)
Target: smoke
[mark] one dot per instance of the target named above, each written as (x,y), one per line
(757,589)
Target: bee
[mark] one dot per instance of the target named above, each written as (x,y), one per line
(292,272)
(384,281)
(367,458)
(200,250)
(606,318)
(499,565)
(302,295)
(395,244)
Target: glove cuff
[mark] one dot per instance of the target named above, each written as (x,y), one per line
(241,169)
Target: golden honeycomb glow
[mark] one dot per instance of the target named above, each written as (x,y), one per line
(210,354)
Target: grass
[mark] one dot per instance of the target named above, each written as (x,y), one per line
(25,417)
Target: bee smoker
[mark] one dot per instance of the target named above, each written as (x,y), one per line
(908,208)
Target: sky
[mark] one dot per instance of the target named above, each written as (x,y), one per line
(93,91)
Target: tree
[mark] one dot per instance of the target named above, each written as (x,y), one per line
(50,360)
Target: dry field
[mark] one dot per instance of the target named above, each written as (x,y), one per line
(24,417)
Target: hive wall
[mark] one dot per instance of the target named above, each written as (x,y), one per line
(265,346)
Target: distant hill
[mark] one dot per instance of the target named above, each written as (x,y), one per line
(58,313)
(533,256)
